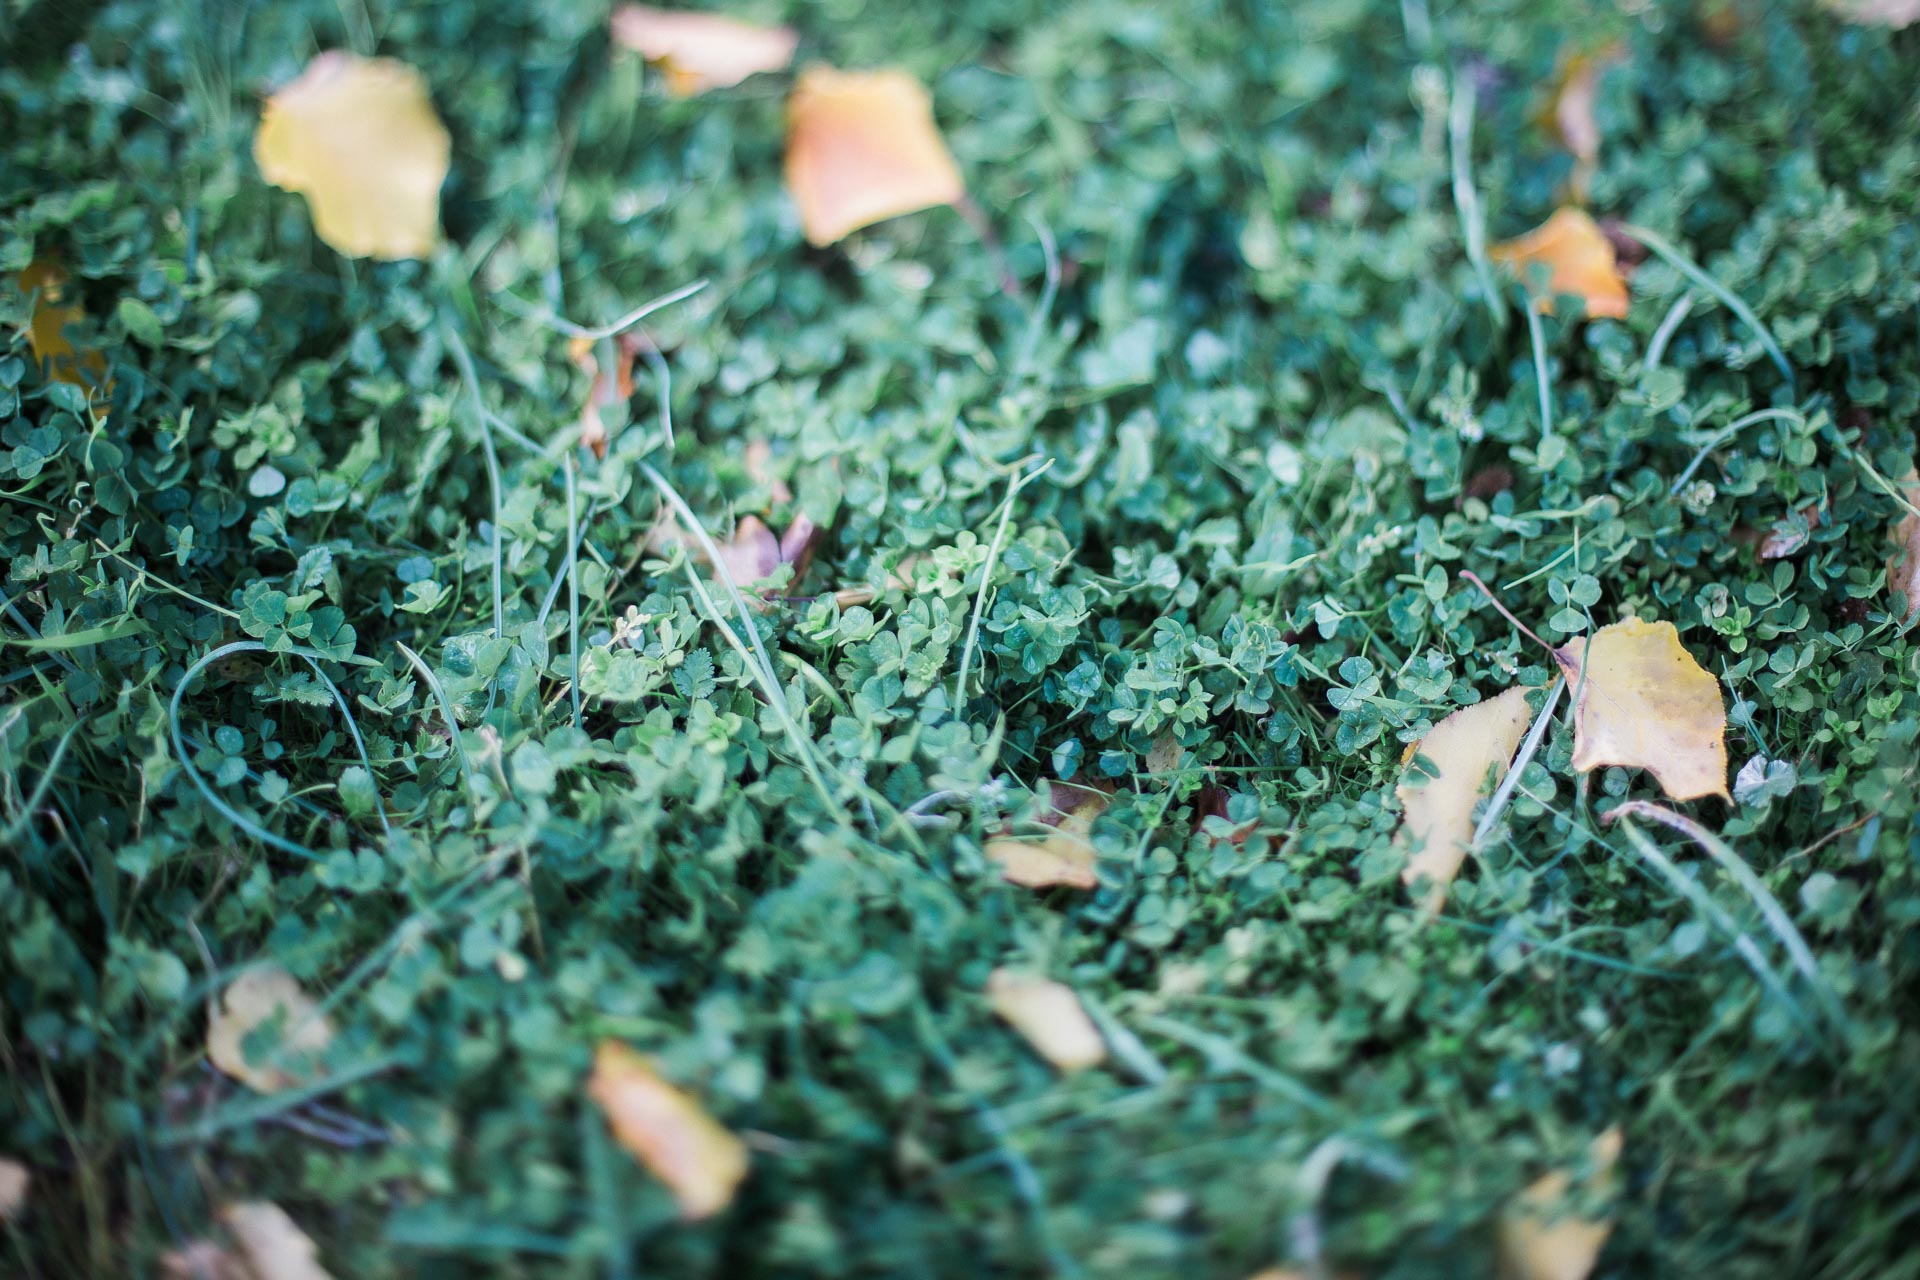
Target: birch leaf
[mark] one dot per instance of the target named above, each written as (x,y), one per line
(271,1245)
(14,1183)
(700,1161)
(1463,747)
(862,147)
(1540,1239)
(1050,1016)
(1646,704)
(1579,258)
(1065,857)
(702,51)
(359,138)
(252,1000)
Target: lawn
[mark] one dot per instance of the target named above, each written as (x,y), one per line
(1016,662)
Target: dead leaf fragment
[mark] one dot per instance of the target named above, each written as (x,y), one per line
(1570,115)
(700,1162)
(359,138)
(702,51)
(1646,704)
(1065,857)
(862,147)
(1540,1240)
(272,1247)
(54,309)
(1875,13)
(1050,1016)
(258,996)
(1580,260)
(14,1184)
(1464,747)
(1903,567)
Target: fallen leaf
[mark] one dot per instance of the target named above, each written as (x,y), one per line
(47,337)
(1579,257)
(271,1245)
(1540,1240)
(14,1184)
(862,147)
(358,137)
(1463,747)
(1875,13)
(1645,703)
(1789,535)
(1903,567)
(203,1260)
(702,51)
(253,999)
(1570,115)
(1050,1016)
(1065,857)
(602,391)
(700,1162)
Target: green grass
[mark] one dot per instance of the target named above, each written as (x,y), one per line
(325,644)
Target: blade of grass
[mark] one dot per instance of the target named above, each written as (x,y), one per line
(1693,271)
(1466,199)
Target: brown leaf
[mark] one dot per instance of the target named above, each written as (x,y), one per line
(1540,1239)
(1464,747)
(1571,114)
(1646,704)
(701,1163)
(1050,1016)
(359,138)
(702,51)
(1066,856)
(1785,538)
(15,1182)
(255,998)
(862,147)
(54,310)
(1903,567)
(1580,260)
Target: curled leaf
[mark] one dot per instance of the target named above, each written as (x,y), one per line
(54,310)
(1066,856)
(700,1162)
(1644,703)
(1540,1239)
(271,1245)
(1579,258)
(702,51)
(257,997)
(1464,748)
(1050,1016)
(1903,567)
(862,147)
(15,1181)
(359,138)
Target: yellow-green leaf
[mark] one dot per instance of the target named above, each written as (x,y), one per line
(1464,748)
(1542,1237)
(1644,703)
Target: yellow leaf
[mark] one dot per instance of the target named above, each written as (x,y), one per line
(1049,1015)
(270,1244)
(1647,704)
(1064,858)
(1540,1239)
(358,137)
(1463,747)
(252,1000)
(1875,13)
(1903,567)
(14,1183)
(53,311)
(701,1162)
(862,147)
(1571,113)
(702,51)
(1579,257)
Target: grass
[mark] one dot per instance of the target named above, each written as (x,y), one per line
(1165,466)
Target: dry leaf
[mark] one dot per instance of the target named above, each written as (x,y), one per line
(1050,1016)
(252,1000)
(701,1162)
(602,391)
(862,147)
(1571,115)
(202,1260)
(53,311)
(1875,13)
(1903,567)
(271,1245)
(14,1183)
(1540,1239)
(1066,856)
(358,137)
(1645,703)
(1463,747)
(702,51)
(1580,258)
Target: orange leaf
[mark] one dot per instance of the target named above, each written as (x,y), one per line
(702,51)
(1580,258)
(47,335)
(358,137)
(701,1162)
(862,147)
